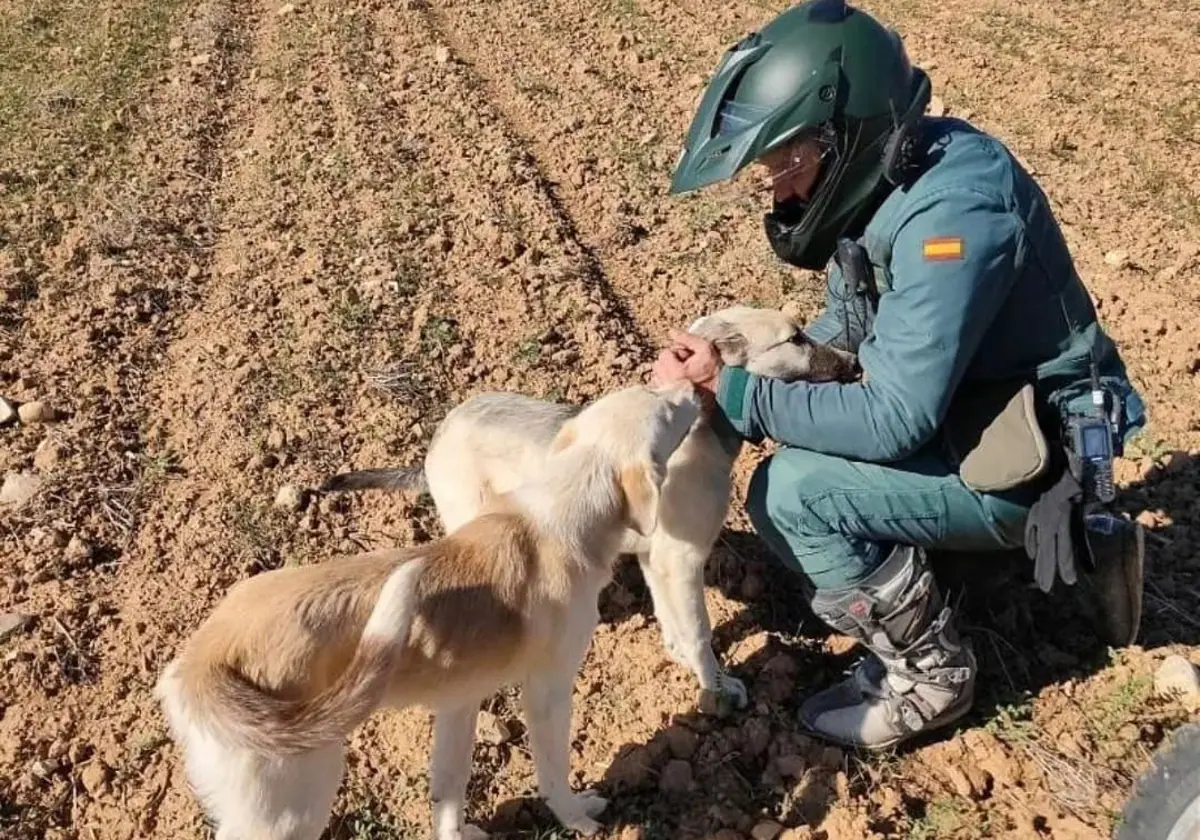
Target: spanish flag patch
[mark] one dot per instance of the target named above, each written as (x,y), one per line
(942,248)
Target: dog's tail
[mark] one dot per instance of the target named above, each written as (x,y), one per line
(392,479)
(218,698)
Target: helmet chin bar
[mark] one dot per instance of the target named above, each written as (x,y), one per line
(791,226)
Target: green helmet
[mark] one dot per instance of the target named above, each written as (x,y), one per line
(823,69)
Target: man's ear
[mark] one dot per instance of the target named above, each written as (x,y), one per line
(640,484)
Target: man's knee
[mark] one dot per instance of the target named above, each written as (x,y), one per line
(780,486)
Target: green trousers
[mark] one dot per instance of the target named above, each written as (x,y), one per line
(834,520)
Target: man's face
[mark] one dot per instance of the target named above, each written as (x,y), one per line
(792,169)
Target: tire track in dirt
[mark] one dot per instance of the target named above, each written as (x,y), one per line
(115,274)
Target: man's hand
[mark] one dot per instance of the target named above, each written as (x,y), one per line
(693,359)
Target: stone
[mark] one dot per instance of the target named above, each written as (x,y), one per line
(19,488)
(1177,676)
(492,730)
(13,623)
(94,778)
(290,498)
(1117,259)
(8,412)
(36,412)
(766,830)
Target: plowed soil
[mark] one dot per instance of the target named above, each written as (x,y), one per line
(247,245)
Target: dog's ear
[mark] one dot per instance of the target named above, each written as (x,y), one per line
(565,437)
(729,341)
(640,484)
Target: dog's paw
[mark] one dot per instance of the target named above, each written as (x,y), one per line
(593,804)
(578,812)
(735,690)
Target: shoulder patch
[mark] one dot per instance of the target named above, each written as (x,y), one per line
(942,248)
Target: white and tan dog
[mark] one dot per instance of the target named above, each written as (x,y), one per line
(263,695)
(494,441)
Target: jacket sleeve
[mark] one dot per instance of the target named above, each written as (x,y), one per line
(954,261)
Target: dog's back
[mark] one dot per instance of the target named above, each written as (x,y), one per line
(485,447)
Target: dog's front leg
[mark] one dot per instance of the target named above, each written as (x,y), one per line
(680,566)
(664,610)
(450,771)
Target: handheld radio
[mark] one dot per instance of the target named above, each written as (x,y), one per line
(1092,439)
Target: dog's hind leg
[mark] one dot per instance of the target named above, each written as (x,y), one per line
(277,798)
(680,567)
(450,771)
(546,696)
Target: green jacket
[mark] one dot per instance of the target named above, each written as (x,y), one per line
(976,283)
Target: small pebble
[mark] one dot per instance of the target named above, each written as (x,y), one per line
(491,730)
(19,488)
(44,769)
(1117,259)
(8,412)
(290,497)
(1178,676)
(12,623)
(766,830)
(36,412)
(94,778)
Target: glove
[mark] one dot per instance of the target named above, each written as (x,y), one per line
(1050,528)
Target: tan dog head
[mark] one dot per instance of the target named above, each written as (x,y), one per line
(636,430)
(770,343)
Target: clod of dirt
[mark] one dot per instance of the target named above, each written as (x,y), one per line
(44,768)
(801,833)
(11,623)
(441,55)
(676,777)
(290,497)
(36,412)
(94,778)
(631,766)
(681,742)
(200,60)
(276,439)
(766,830)
(1178,676)
(47,455)
(791,766)
(937,106)
(491,730)
(8,412)
(19,488)
(78,551)
(286,9)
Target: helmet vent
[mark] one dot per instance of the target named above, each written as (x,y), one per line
(828,11)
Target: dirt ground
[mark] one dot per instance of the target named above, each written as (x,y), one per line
(246,245)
